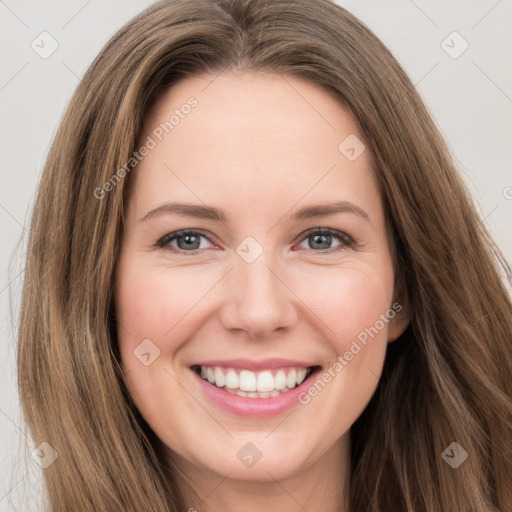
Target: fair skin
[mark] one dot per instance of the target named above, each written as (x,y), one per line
(260,148)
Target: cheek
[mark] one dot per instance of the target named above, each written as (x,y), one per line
(360,305)
(150,304)
(352,304)
(350,300)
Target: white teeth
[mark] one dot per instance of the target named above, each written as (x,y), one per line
(255,394)
(291,378)
(220,380)
(265,382)
(232,379)
(247,381)
(261,384)
(280,380)
(301,375)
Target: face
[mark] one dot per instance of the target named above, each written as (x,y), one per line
(252,326)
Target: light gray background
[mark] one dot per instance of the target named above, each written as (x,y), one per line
(470,98)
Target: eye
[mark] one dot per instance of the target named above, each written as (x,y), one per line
(187,241)
(190,241)
(322,238)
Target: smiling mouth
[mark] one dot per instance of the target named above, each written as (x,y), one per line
(255,384)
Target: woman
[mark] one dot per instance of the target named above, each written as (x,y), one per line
(260,371)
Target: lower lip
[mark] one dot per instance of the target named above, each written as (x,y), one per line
(253,407)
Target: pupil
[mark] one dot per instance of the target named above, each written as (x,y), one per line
(189,240)
(325,237)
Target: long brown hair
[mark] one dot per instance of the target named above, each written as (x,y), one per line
(446,379)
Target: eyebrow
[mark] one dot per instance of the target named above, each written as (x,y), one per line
(211,213)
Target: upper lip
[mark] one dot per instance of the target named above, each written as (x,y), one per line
(248,364)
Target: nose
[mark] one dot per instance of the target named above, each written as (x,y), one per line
(259,301)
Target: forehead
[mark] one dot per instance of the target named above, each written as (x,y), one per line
(250,138)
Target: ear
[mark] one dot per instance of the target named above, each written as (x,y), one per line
(401,306)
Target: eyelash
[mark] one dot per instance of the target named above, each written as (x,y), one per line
(347,241)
